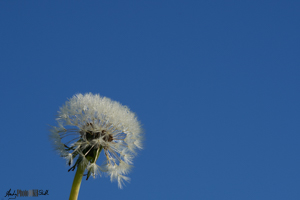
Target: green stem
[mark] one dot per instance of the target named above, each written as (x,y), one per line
(77,182)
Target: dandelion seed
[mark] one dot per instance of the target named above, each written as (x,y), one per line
(88,124)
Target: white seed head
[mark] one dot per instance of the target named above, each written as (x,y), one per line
(88,124)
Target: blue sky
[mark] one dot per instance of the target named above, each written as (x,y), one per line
(214,83)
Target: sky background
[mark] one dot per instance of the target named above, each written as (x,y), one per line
(214,83)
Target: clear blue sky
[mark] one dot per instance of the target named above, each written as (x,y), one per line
(214,83)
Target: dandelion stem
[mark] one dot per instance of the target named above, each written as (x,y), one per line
(77,182)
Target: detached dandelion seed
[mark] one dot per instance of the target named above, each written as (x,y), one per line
(88,124)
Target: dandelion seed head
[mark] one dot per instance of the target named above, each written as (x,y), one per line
(88,124)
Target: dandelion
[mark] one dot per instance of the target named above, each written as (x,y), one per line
(88,124)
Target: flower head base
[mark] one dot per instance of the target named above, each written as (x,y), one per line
(88,124)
